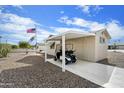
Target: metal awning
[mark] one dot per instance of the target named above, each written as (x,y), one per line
(71,35)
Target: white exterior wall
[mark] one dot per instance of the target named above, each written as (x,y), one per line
(100,48)
(84,47)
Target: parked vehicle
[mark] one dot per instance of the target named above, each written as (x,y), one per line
(69,56)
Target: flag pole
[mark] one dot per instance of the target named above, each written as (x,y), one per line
(36,40)
(0,42)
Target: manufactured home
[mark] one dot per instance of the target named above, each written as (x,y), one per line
(89,46)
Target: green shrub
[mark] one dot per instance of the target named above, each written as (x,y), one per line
(14,46)
(4,50)
(23,44)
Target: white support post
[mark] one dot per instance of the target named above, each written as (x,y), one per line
(45,51)
(63,53)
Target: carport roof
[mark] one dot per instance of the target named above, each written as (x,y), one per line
(71,35)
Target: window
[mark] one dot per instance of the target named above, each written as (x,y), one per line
(52,46)
(102,40)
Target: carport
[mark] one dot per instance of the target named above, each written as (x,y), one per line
(103,75)
(63,37)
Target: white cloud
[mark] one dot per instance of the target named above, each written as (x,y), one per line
(15,19)
(1,8)
(87,9)
(18,6)
(14,28)
(17,26)
(115,29)
(0,11)
(97,8)
(96,26)
(62,12)
(43,34)
(81,22)
(66,20)
(64,29)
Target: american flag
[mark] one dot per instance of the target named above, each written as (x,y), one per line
(32,30)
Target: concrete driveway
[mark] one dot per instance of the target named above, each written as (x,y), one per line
(103,75)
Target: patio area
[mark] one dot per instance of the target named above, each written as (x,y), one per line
(103,75)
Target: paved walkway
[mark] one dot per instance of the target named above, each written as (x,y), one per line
(103,75)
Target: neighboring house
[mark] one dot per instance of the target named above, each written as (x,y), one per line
(116,46)
(90,46)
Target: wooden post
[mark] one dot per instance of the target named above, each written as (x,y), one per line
(63,53)
(45,51)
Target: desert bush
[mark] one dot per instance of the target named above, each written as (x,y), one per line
(14,46)
(4,50)
(23,44)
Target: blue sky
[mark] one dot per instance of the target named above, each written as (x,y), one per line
(15,20)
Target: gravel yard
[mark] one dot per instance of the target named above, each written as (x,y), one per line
(116,57)
(30,71)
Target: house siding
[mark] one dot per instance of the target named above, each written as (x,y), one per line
(84,47)
(100,48)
